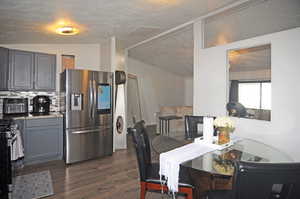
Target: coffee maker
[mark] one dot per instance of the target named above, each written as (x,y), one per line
(41,105)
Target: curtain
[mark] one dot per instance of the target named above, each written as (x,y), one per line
(234,91)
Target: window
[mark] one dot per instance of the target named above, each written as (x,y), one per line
(255,95)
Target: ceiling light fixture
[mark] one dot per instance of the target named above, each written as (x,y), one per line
(67,30)
(165,2)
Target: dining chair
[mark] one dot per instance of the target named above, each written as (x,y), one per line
(262,181)
(191,126)
(149,172)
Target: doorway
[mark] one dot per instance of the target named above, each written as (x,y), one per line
(134,112)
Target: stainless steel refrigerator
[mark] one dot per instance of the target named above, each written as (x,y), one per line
(87,105)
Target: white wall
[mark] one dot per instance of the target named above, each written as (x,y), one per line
(87,56)
(105,54)
(210,89)
(157,88)
(120,56)
(120,141)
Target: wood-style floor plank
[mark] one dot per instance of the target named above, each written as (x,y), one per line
(113,177)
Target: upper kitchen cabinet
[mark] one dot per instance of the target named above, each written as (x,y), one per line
(21,69)
(26,71)
(44,71)
(3,68)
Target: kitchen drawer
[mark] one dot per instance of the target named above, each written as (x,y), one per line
(56,121)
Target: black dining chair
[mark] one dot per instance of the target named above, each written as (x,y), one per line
(262,181)
(191,126)
(149,172)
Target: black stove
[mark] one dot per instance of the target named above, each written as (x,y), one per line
(5,160)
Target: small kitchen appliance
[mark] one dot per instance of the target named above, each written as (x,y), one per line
(41,105)
(15,106)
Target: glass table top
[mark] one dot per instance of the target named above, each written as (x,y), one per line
(221,161)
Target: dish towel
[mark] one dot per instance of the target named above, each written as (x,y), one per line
(170,162)
(17,150)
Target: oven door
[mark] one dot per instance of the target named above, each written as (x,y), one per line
(5,166)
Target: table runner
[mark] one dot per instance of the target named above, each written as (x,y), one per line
(170,162)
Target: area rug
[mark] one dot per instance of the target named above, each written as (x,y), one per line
(33,186)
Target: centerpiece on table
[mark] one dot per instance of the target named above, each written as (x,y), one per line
(224,126)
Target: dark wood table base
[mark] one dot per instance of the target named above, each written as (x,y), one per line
(205,182)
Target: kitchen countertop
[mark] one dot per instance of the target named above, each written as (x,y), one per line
(30,116)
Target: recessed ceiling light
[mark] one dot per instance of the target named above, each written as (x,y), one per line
(67,30)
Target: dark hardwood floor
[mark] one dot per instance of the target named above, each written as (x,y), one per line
(101,178)
(105,178)
(113,177)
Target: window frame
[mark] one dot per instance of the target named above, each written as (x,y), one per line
(260,82)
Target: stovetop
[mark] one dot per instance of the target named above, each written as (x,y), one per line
(5,125)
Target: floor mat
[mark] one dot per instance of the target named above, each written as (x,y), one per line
(33,186)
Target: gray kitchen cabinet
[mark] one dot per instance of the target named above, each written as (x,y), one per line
(27,71)
(43,140)
(45,72)
(4,54)
(21,68)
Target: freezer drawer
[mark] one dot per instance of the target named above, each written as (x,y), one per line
(85,144)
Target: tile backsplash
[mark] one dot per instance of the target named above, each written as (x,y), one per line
(54,96)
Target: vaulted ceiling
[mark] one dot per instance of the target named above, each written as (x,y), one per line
(173,52)
(131,21)
(250,59)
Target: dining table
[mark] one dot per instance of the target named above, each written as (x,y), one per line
(214,170)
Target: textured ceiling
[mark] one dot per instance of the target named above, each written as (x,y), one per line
(251,19)
(248,20)
(251,59)
(173,52)
(130,21)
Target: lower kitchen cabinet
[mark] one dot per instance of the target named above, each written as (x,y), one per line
(43,140)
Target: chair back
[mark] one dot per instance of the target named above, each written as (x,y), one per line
(266,181)
(142,147)
(191,126)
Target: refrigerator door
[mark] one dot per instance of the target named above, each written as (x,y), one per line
(100,79)
(79,99)
(86,143)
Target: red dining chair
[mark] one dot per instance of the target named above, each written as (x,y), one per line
(149,172)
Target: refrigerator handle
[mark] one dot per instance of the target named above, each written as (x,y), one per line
(91,99)
(95,97)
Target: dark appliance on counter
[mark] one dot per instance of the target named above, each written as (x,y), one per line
(15,106)
(5,159)
(41,105)
(87,106)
